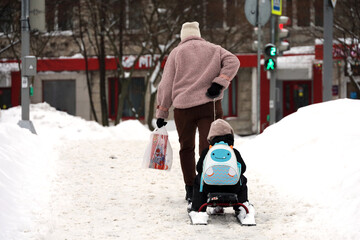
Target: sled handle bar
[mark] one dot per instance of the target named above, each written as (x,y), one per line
(224,205)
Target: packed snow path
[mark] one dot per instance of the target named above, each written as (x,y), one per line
(79,180)
(101,193)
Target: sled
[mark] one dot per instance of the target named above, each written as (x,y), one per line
(223,200)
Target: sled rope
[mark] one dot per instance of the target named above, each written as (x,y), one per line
(214,109)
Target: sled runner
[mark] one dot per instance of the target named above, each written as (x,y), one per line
(219,201)
(223,200)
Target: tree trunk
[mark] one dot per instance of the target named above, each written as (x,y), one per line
(82,49)
(104,110)
(120,67)
(89,85)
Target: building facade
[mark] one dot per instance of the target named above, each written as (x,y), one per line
(63,78)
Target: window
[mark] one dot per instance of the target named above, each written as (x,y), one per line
(6,17)
(60,94)
(65,15)
(59,14)
(234,12)
(296,94)
(199,13)
(303,13)
(319,13)
(134,103)
(135,14)
(214,13)
(50,15)
(351,91)
(5,98)
(289,12)
(221,13)
(229,102)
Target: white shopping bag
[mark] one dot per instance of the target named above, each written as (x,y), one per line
(158,154)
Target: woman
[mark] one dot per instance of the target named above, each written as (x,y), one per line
(196,72)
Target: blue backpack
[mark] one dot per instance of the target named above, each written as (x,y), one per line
(220,166)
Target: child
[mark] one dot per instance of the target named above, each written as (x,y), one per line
(220,131)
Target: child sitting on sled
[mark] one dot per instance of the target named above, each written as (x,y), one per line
(221,137)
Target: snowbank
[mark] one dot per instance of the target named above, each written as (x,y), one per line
(58,125)
(26,168)
(313,155)
(27,161)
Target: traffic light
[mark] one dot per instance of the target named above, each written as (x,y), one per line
(255,43)
(270,53)
(31,90)
(282,34)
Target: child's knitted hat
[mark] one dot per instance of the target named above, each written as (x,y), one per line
(219,128)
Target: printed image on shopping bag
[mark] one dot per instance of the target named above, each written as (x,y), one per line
(158,152)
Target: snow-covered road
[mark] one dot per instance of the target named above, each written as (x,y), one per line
(101,193)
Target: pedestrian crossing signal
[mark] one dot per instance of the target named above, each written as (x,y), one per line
(270,64)
(270,53)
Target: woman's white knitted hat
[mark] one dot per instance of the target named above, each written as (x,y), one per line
(190,29)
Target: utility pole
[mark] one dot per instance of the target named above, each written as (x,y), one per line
(328,49)
(28,67)
(272,101)
(258,70)
(276,9)
(258,14)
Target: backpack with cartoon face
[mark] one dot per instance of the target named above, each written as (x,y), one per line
(220,166)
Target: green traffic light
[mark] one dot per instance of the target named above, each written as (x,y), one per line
(273,51)
(31,90)
(270,50)
(270,64)
(270,53)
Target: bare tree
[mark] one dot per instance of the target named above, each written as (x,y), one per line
(79,34)
(101,57)
(10,28)
(164,24)
(152,32)
(226,26)
(152,29)
(346,35)
(347,26)
(96,37)
(117,38)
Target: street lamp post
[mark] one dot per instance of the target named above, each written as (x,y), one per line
(28,67)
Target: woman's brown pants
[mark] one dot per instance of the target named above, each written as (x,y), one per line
(187,121)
